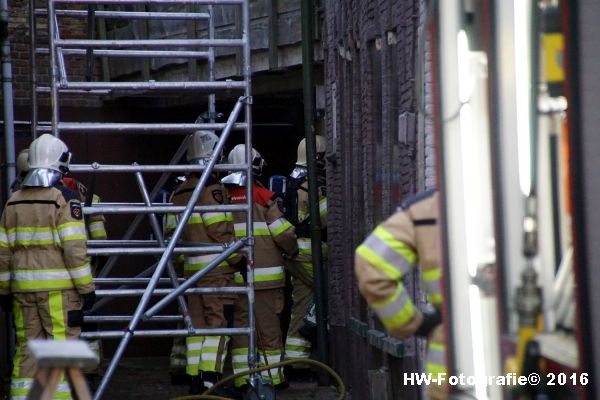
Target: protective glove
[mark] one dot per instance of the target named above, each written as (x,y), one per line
(6,303)
(242,268)
(88,301)
(432,317)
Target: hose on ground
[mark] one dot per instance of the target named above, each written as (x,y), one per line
(207,396)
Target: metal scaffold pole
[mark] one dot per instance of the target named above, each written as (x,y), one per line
(63,85)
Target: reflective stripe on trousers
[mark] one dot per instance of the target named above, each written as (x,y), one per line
(205,353)
(297,347)
(272,357)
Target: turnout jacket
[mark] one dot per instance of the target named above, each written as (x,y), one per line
(409,237)
(43,242)
(206,227)
(273,234)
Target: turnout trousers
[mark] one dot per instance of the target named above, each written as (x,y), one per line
(296,345)
(268,306)
(40,315)
(207,353)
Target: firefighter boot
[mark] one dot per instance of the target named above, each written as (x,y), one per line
(196,385)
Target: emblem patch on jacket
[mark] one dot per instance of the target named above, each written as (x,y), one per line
(76,211)
(218,196)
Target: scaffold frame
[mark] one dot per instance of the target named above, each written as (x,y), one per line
(147,283)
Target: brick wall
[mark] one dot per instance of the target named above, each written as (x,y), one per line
(377,133)
(20,38)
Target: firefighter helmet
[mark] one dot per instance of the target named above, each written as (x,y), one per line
(49,159)
(238,156)
(201,147)
(321,148)
(49,152)
(23,162)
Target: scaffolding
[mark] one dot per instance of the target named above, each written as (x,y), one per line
(146,284)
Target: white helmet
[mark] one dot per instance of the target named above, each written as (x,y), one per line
(201,146)
(49,152)
(321,148)
(238,156)
(23,162)
(49,159)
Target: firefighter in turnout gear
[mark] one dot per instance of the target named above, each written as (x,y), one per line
(273,235)
(96,230)
(298,340)
(22,169)
(407,238)
(43,262)
(206,354)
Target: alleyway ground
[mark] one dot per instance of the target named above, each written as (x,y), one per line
(147,378)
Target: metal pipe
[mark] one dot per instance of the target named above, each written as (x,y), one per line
(126,318)
(130,281)
(131,243)
(95,167)
(153,250)
(33,68)
(47,89)
(132,86)
(247,73)
(138,218)
(75,43)
(211,66)
(161,333)
(159,236)
(169,207)
(128,15)
(62,68)
(54,100)
(157,209)
(127,335)
(98,127)
(307,13)
(169,293)
(133,53)
(191,281)
(7,98)
(134,2)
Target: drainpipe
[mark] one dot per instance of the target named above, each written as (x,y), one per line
(307,13)
(9,139)
(7,97)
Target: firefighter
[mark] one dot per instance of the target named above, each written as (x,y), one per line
(206,354)
(96,230)
(22,169)
(407,238)
(43,262)
(273,234)
(298,340)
